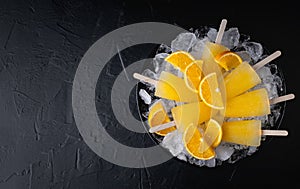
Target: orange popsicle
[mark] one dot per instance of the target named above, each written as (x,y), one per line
(254,103)
(241,79)
(245,132)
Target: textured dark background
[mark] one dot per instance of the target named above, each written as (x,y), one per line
(41,44)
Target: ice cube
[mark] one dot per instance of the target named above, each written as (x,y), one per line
(278,81)
(182,156)
(167,67)
(159,62)
(231,38)
(145,96)
(224,152)
(244,56)
(149,73)
(273,68)
(160,65)
(254,49)
(210,162)
(171,69)
(198,47)
(199,162)
(191,159)
(265,74)
(239,147)
(212,34)
(183,42)
(274,116)
(251,150)
(163,48)
(173,142)
(272,90)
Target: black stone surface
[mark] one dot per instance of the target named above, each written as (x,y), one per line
(41,44)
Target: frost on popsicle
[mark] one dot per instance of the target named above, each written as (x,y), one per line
(231,149)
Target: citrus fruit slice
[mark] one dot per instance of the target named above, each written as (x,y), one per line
(193,141)
(180,59)
(157,116)
(192,75)
(213,133)
(228,60)
(209,91)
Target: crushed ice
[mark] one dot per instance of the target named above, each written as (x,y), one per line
(173,142)
(224,152)
(183,42)
(230,38)
(198,47)
(250,52)
(145,96)
(254,49)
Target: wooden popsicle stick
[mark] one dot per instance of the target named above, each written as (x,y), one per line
(282,99)
(274,132)
(162,127)
(145,79)
(266,60)
(263,132)
(221,31)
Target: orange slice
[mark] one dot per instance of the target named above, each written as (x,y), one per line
(180,59)
(192,75)
(210,93)
(228,60)
(157,116)
(193,141)
(213,133)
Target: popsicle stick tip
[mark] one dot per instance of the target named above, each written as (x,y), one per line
(136,75)
(224,21)
(275,132)
(285,133)
(278,53)
(144,79)
(221,31)
(282,99)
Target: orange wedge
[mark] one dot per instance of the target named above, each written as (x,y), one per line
(228,60)
(213,133)
(192,75)
(180,59)
(210,93)
(157,116)
(193,141)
